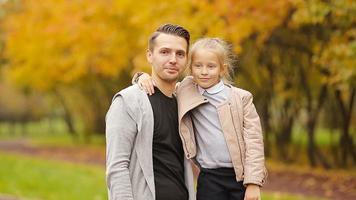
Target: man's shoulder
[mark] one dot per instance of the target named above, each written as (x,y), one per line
(132,98)
(130,93)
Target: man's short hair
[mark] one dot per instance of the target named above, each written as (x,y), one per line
(170,29)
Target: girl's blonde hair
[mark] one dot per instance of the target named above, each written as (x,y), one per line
(222,49)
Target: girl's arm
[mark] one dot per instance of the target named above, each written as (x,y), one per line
(252,192)
(254,172)
(254,161)
(145,81)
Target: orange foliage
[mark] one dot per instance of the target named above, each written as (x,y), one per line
(61,42)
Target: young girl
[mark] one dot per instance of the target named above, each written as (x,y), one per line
(219,125)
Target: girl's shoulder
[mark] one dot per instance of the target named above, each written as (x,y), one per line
(240,92)
(187,81)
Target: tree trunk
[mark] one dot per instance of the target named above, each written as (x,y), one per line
(346,142)
(68,118)
(314,154)
(311,143)
(69,121)
(284,137)
(267,128)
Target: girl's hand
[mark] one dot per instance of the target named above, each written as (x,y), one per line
(252,192)
(146,83)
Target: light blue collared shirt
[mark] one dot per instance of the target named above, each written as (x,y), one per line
(212,151)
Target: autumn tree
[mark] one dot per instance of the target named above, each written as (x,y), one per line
(82,52)
(331,23)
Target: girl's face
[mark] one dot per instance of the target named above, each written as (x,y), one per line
(206,68)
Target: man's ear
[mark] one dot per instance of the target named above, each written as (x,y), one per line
(149,56)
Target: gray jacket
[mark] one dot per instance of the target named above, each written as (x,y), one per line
(129,134)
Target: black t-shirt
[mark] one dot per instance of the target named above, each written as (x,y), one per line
(168,160)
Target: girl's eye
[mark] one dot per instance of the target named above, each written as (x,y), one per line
(196,65)
(211,66)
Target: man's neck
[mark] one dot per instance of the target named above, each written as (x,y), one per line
(167,88)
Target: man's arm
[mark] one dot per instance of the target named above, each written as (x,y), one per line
(120,135)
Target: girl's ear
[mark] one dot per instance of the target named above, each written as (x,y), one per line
(223,70)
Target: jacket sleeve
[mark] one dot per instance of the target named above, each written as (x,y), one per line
(120,135)
(254,169)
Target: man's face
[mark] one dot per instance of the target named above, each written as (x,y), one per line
(168,57)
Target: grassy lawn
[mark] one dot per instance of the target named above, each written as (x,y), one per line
(283,196)
(323,137)
(39,134)
(50,180)
(33,178)
(40,179)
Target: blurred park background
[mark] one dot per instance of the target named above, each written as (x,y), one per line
(61,61)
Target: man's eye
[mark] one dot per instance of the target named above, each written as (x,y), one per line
(180,54)
(164,52)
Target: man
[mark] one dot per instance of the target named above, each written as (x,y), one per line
(145,159)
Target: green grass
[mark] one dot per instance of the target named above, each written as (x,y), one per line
(323,137)
(35,178)
(39,133)
(283,196)
(65,140)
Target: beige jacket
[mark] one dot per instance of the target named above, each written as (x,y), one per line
(240,124)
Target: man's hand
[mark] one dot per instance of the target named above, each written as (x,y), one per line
(252,192)
(146,83)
